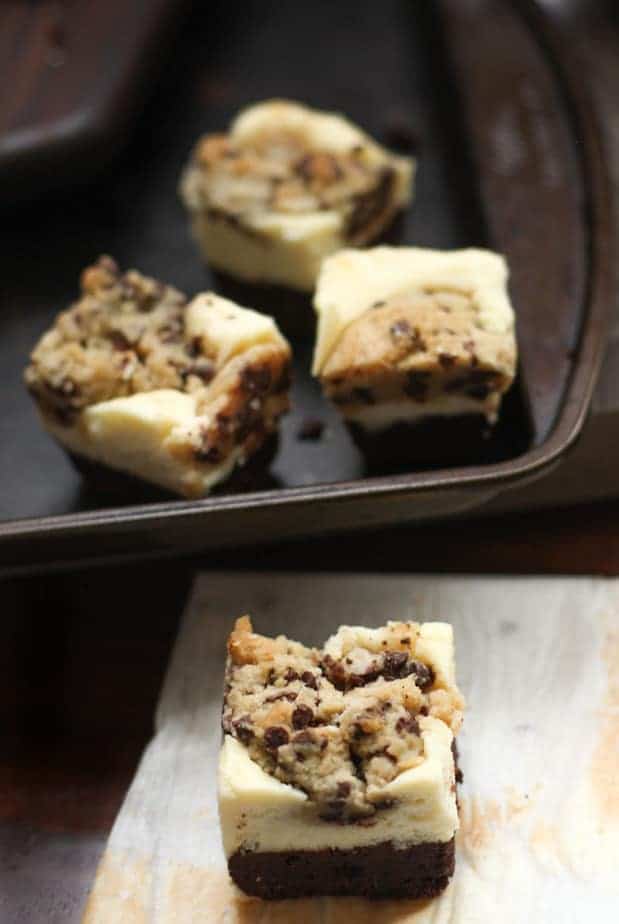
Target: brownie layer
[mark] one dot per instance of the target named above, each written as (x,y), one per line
(381,871)
(458,440)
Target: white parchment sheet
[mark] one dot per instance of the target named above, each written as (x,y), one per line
(538,661)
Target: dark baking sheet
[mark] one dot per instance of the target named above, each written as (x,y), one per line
(500,160)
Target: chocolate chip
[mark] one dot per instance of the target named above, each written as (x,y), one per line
(417,385)
(275,736)
(290,675)
(400,329)
(194,347)
(343,790)
(319,166)
(302,716)
(367,207)
(424,675)
(309,680)
(394,665)
(378,304)
(311,429)
(446,360)
(203,368)
(118,340)
(210,454)
(407,724)
(242,729)
(256,379)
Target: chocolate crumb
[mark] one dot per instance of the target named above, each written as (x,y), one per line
(302,716)
(275,736)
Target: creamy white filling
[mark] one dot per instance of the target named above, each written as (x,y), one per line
(146,435)
(351,281)
(375,417)
(258,812)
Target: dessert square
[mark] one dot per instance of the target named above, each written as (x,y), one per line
(337,773)
(410,337)
(285,187)
(137,380)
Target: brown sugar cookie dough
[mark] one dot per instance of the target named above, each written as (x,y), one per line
(344,748)
(134,377)
(285,187)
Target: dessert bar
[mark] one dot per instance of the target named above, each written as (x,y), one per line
(337,771)
(135,379)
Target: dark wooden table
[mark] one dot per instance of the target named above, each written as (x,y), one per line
(82,657)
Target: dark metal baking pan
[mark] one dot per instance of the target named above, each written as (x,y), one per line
(509,156)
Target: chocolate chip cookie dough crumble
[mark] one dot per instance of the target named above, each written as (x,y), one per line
(135,377)
(341,723)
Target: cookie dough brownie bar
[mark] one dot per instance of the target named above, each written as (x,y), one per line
(285,187)
(178,394)
(414,346)
(337,772)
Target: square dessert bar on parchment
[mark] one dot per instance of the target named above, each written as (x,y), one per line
(337,773)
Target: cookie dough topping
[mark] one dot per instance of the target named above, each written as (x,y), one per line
(339,723)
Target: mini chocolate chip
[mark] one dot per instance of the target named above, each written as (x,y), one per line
(194,347)
(343,790)
(242,729)
(203,369)
(271,675)
(394,665)
(407,724)
(118,340)
(400,329)
(311,429)
(290,675)
(417,385)
(212,455)
(302,716)
(275,736)
(309,680)
(424,675)
(256,379)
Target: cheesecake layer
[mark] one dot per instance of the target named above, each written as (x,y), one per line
(260,813)
(133,378)
(286,187)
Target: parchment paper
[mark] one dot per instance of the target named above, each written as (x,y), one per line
(538,660)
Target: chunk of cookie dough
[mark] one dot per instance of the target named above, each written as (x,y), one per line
(407,334)
(346,750)
(178,394)
(286,187)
